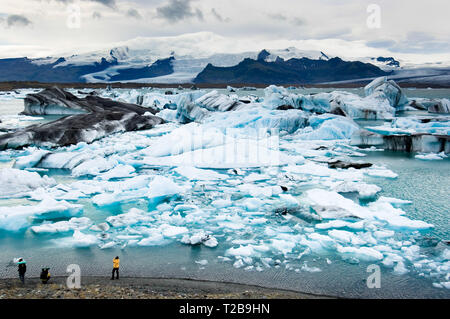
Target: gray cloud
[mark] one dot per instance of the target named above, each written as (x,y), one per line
(383,44)
(277,16)
(298,21)
(414,42)
(96,15)
(199,14)
(218,16)
(133,13)
(282,18)
(17,20)
(108,3)
(177,10)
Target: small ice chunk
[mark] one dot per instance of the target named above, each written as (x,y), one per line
(361,253)
(202,262)
(429,157)
(83,240)
(200,238)
(394,201)
(381,172)
(305,267)
(119,171)
(221,203)
(162,186)
(63,226)
(173,231)
(197,174)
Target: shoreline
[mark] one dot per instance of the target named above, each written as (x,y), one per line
(95,287)
(13,85)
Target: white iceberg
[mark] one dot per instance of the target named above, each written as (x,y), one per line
(14,218)
(17,183)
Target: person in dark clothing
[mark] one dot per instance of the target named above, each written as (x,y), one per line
(116,264)
(22,269)
(45,275)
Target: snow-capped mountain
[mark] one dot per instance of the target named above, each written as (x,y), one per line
(156,61)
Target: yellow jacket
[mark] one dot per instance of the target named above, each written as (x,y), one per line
(116,263)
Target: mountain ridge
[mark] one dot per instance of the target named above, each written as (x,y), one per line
(161,65)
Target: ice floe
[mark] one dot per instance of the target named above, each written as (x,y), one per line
(18,183)
(14,218)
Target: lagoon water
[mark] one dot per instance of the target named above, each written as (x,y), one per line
(424,183)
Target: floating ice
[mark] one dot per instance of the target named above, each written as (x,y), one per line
(214,101)
(14,218)
(331,205)
(81,240)
(328,127)
(17,183)
(134,216)
(431,157)
(31,160)
(202,262)
(364,190)
(381,172)
(193,174)
(383,88)
(119,171)
(360,253)
(200,238)
(63,226)
(305,267)
(162,186)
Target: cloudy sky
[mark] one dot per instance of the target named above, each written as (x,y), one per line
(415,29)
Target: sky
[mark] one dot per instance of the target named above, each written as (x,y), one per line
(414,30)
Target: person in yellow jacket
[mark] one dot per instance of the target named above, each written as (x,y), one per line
(45,275)
(116,265)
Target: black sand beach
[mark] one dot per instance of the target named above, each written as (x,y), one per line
(140,288)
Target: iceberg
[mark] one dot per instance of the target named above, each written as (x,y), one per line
(81,240)
(214,101)
(331,205)
(328,127)
(162,186)
(431,157)
(18,183)
(196,174)
(15,218)
(382,88)
(362,253)
(31,160)
(200,238)
(63,226)
(240,153)
(119,171)
(364,190)
(133,217)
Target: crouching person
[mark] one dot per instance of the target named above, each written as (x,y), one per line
(45,275)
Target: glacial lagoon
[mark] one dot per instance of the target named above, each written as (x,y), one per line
(146,197)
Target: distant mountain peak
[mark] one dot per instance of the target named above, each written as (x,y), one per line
(389,61)
(263,55)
